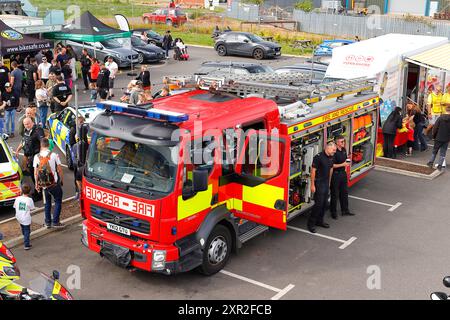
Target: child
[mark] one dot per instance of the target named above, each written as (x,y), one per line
(94,92)
(50,141)
(23,205)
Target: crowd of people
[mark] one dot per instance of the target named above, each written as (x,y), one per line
(431,122)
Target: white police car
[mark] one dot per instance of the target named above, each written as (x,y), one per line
(10,174)
(60,123)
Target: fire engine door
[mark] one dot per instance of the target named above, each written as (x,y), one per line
(263,170)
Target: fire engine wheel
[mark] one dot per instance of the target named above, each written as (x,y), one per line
(69,161)
(221,50)
(217,250)
(258,54)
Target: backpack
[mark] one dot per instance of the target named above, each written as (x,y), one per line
(45,175)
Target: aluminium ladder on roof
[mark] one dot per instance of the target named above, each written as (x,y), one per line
(277,86)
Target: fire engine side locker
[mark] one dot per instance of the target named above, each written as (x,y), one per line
(324,115)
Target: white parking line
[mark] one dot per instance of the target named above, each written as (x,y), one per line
(392,206)
(280,292)
(345,243)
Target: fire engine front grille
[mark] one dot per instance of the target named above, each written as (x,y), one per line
(119,219)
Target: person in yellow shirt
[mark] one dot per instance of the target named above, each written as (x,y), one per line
(434,107)
(445,102)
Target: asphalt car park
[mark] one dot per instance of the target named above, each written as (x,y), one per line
(394,254)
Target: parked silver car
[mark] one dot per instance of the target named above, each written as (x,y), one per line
(102,50)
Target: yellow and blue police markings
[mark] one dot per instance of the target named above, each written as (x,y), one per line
(60,133)
(10,176)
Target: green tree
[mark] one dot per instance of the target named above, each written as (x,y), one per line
(304,5)
(257,2)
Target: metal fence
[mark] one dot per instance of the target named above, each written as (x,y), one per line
(366,26)
(243,11)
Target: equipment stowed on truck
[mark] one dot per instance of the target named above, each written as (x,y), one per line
(180,183)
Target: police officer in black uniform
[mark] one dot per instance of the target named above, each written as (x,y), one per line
(62,94)
(321,171)
(339,187)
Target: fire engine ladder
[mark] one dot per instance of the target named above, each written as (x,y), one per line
(270,78)
(244,86)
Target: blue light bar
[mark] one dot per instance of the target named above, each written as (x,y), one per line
(140,110)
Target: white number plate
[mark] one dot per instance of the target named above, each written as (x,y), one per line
(117,228)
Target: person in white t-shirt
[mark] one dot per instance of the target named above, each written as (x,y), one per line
(113,68)
(44,70)
(23,205)
(48,175)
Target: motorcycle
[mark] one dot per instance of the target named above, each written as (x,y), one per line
(442,295)
(42,288)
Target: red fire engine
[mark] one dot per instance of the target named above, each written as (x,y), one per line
(148,205)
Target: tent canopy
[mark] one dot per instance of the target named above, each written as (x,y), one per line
(437,58)
(371,57)
(13,42)
(87,28)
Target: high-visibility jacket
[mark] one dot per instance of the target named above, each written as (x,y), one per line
(435,101)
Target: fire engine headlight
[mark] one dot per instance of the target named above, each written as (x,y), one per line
(159,259)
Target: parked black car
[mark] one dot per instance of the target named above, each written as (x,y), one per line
(246,44)
(154,37)
(230,67)
(146,52)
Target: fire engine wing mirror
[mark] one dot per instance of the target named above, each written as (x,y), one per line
(5,136)
(438,296)
(200,180)
(446,281)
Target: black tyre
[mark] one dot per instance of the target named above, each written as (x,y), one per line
(140,58)
(69,161)
(258,54)
(221,50)
(217,250)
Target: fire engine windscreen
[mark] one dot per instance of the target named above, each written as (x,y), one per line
(132,165)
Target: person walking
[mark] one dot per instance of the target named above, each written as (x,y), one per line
(103,82)
(31,145)
(42,102)
(434,107)
(389,130)
(16,81)
(112,66)
(23,206)
(28,114)
(167,42)
(441,136)
(321,171)
(32,77)
(86,63)
(10,103)
(62,94)
(339,183)
(49,179)
(416,116)
(44,70)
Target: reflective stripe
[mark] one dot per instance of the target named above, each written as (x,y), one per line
(201,201)
(9,189)
(264,195)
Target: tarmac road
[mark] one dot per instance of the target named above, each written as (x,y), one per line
(158,71)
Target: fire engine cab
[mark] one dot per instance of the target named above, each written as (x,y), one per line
(182,182)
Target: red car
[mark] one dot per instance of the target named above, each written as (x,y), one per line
(169,16)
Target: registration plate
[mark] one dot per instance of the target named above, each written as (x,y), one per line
(118,229)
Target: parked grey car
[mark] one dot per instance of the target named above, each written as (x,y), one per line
(230,67)
(246,44)
(102,50)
